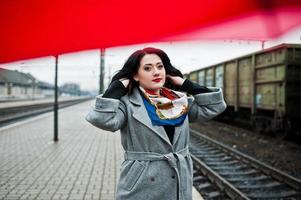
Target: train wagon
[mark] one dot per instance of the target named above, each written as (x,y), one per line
(262,89)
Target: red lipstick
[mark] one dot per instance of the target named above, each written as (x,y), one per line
(157,80)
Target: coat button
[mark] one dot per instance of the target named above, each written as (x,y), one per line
(152,179)
(173,176)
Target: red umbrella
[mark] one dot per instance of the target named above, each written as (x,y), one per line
(40,28)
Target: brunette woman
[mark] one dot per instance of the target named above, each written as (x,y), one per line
(151,104)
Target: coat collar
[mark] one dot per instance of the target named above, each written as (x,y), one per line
(140,114)
(135,97)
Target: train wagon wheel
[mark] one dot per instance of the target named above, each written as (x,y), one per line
(288,128)
(281,134)
(286,132)
(258,125)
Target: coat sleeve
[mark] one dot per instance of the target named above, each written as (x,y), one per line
(107,114)
(207,105)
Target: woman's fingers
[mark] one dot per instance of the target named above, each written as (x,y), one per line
(177,80)
(125,81)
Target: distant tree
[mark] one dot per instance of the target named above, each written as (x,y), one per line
(71,88)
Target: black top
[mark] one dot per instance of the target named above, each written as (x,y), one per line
(116,90)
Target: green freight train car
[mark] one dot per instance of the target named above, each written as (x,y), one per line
(262,88)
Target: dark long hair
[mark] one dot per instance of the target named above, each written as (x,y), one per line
(131,66)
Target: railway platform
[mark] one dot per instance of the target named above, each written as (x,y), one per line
(9,104)
(83,164)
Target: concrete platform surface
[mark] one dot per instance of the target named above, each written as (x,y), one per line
(83,164)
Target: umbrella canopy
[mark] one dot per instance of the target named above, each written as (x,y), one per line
(32,28)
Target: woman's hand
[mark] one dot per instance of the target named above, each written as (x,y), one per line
(176,80)
(125,82)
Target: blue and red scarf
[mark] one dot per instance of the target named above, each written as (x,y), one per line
(168,108)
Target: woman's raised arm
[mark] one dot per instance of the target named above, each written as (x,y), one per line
(208,102)
(109,112)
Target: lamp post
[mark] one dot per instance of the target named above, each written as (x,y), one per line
(102,70)
(101,76)
(55,105)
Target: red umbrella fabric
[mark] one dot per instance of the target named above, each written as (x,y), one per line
(32,28)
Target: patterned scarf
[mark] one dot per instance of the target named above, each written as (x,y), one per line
(168,108)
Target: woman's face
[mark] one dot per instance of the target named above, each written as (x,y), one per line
(151,72)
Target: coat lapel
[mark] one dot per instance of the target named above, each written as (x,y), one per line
(140,114)
(178,130)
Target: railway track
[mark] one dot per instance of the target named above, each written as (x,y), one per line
(11,114)
(223,173)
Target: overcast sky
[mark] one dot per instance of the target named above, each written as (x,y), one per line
(83,67)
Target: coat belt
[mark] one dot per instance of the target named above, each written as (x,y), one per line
(172,158)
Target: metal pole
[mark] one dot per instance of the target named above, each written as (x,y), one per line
(101,76)
(56,102)
(262,44)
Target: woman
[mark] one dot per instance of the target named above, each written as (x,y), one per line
(147,102)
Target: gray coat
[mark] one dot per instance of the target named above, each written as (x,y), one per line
(153,166)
